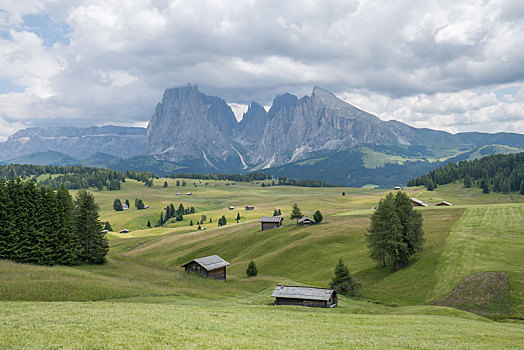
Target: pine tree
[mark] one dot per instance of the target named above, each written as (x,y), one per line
(107,226)
(342,280)
(522,187)
(127,203)
(5,222)
(430,185)
(161,220)
(395,232)
(238,217)
(148,224)
(220,222)
(224,220)
(67,236)
(93,244)
(318,217)
(251,270)
(343,193)
(485,186)
(117,205)
(467,181)
(296,213)
(191,223)
(165,183)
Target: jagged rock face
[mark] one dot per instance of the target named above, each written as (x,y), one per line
(321,122)
(188,124)
(80,143)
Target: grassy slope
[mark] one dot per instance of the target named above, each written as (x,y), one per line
(176,324)
(145,263)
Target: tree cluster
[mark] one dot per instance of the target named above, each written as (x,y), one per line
(395,232)
(41,226)
(224,177)
(222,221)
(498,173)
(176,213)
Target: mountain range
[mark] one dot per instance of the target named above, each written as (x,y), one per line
(318,137)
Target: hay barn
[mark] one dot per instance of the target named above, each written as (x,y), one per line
(269,222)
(211,266)
(305,296)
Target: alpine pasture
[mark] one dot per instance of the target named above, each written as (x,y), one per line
(142,298)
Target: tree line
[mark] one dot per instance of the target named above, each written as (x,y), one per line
(498,173)
(176,213)
(41,226)
(257,176)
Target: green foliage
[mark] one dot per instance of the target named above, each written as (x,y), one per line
(430,186)
(191,223)
(343,193)
(395,232)
(238,217)
(93,244)
(148,224)
(522,187)
(107,226)
(165,184)
(296,213)
(318,217)
(128,203)
(222,221)
(139,204)
(277,212)
(501,172)
(251,270)
(342,282)
(467,181)
(117,205)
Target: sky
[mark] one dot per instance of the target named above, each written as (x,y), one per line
(450,65)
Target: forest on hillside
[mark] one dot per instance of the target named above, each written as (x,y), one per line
(498,173)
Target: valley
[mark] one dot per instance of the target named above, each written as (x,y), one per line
(142,297)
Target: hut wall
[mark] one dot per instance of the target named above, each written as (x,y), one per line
(300,302)
(218,274)
(196,268)
(270,225)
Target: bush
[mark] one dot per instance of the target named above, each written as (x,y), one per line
(318,217)
(252,270)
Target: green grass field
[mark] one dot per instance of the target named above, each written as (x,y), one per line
(141,297)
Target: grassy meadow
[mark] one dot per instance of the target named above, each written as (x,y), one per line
(142,298)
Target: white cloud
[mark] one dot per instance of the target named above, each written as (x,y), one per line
(421,62)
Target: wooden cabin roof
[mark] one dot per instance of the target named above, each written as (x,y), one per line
(444,203)
(305,219)
(309,293)
(209,263)
(271,219)
(419,202)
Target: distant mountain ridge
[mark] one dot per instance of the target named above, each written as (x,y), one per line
(320,137)
(76,142)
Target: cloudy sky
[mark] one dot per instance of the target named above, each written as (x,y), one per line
(450,65)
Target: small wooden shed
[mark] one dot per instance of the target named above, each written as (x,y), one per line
(305,221)
(269,222)
(418,202)
(250,207)
(211,266)
(305,296)
(443,203)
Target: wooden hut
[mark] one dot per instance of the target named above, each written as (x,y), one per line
(210,266)
(250,207)
(305,221)
(269,222)
(418,202)
(305,296)
(443,203)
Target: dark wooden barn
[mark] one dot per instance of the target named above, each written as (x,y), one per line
(210,266)
(443,203)
(269,222)
(305,296)
(305,221)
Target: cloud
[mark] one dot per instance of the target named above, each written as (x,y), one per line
(428,63)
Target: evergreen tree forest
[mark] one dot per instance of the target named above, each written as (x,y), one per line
(176,213)
(258,176)
(41,226)
(498,173)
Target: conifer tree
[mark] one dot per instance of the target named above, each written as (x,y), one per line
(343,193)
(165,183)
(93,244)
(251,270)
(342,280)
(430,185)
(224,220)
(148,224)
(66,229)
(28,241)
(199,227)
(191,223)
(238,217)
(522,187)
(107,226)
(467,181)
(318,217)
(117,205)
(127,203)
(296,213)
(5,222)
